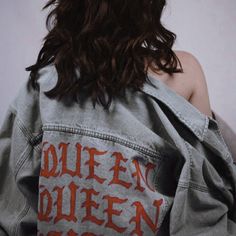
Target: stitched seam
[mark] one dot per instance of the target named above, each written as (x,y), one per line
(193,186)
(26,207)
(228,156)
(205,128)
(19,163)
(30,140)
(226,152)
(33,140)
(38,149)
(20,216)
(189,183)
(190,158)
(24,130)
(129,137)
(22,160)
(198,187)
(84,131)
(36,139)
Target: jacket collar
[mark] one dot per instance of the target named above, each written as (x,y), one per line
(188,114)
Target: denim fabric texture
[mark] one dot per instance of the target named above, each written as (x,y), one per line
(151,165)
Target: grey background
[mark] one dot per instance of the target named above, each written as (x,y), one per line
(205,28)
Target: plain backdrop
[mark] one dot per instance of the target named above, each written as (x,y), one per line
(205,28)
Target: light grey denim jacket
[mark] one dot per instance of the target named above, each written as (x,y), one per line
(152,165)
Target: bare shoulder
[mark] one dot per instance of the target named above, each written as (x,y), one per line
(181,83)
(190,63)
(191,84)
(195,81)
(191,70)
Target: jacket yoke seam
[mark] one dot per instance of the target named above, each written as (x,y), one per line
(150,154)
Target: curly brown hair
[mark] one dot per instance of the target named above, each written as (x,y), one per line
(111,43)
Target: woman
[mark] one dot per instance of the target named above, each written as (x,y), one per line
(148,159)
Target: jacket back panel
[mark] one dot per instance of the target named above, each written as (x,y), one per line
(151,165)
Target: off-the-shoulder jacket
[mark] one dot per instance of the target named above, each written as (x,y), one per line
(151,165)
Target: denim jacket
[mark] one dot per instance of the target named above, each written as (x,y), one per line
(151,165)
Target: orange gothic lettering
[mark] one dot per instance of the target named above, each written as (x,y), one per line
(140,212)
(88,204)
(65,170)
(139,175)
(117,167)
(72,233)
(110,211)
(45,196)
(54,233)
(71,215)
(91,163)
(45,169)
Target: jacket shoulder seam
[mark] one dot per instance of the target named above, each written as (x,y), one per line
(31,138)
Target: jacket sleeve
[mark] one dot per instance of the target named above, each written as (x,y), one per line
(206,204)
(228,134)
(19,164)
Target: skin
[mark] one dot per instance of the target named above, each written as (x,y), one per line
(191,84)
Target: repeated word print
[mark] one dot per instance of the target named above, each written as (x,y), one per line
(85,167)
